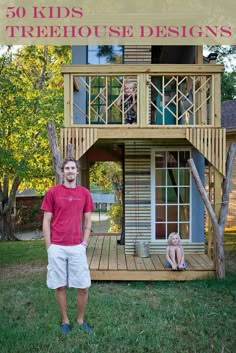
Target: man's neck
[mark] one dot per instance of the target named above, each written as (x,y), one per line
(71,185)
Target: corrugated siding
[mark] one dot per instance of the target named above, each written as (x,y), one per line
(137,54)
(137,193)
(231,217)
(138,198)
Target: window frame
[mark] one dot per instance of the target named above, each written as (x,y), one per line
(153,186)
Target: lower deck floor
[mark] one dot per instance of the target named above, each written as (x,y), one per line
(108,262)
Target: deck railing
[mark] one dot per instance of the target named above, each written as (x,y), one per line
(175,95)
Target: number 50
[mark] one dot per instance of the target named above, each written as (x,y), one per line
(13,11)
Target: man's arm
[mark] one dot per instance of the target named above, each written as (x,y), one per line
(87,224)
(47,218)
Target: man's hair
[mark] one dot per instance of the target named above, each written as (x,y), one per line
(69,160)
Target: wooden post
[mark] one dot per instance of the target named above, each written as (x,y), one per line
(142,100)
(68,106)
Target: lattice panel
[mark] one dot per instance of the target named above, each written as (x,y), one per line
(103,95)
(181,100)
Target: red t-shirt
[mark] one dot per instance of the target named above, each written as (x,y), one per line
(68,206)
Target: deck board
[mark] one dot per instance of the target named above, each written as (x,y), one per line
(108,262)
(130,262)
(157,262)
(149,264)
(91,248)
(104,262)
(97,254)
(121,260)
(113,254)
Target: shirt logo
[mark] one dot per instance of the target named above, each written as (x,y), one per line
(70,198)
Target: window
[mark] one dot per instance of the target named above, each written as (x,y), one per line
(105,54)
(171,187)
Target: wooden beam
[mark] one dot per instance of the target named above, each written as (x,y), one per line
(150,275)
(96,70)
(217,100)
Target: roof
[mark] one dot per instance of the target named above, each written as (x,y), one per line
(228,114)
(27,193)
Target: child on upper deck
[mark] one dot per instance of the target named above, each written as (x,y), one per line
(129,101)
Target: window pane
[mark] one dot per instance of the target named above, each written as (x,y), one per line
(172,159)
(160,213)
(184,177)
(183,157)
(160,177)
(184,213)
(171,227)
(172,195)
(172,213)
(160,160)
(160,195)
(105,54)
(160,231)
(184,230)
(172,177)
(184,195)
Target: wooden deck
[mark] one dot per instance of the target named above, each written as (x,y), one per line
(108,262)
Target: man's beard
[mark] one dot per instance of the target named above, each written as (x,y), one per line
(70,180)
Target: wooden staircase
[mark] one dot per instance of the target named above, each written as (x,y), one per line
(211,143)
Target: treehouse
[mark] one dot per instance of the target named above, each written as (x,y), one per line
(178,117)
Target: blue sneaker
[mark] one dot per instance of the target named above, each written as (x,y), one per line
(85,326)
(65,328)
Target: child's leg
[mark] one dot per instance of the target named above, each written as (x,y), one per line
(179,256)
(172,257)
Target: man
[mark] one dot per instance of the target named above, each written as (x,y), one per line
(66,229)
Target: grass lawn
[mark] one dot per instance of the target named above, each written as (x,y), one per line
(128,317)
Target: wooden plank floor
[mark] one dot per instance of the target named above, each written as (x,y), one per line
(108,262)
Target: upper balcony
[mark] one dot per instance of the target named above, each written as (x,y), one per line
(176,96)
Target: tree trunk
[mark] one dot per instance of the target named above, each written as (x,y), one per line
(218,225)
(56,156)
(7,226)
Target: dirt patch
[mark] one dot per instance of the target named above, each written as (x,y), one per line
(14,271)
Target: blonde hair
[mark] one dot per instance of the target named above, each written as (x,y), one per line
(171,236)
(132,83)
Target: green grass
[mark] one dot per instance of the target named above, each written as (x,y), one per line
(128,317)
(31,252)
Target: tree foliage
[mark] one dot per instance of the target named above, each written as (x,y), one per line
(228,86)
(31,88)
(31,95)
(226,56)
(102,174)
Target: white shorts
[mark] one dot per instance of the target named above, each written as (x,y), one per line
(68,266)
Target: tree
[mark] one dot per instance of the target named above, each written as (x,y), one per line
(217,224)
(101,174)
(226,56)
(228,86)
(31,94)
(108,52)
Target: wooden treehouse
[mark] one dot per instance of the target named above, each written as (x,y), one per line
(178,116)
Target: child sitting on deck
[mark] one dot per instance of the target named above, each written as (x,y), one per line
(175,253)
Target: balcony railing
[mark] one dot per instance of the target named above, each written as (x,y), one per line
(173,95)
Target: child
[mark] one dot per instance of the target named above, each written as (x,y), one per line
(130,105)
(175,253)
